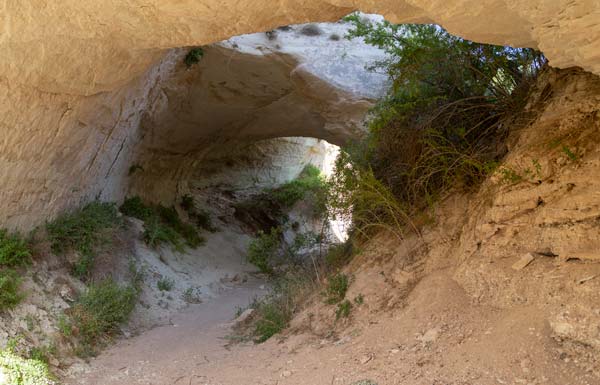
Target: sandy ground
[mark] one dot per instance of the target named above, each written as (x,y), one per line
(176,353)
(440,337)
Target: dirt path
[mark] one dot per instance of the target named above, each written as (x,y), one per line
(172,354)
(439,338)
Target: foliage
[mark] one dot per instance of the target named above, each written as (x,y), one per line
(17,370)
(309,185)
(199,216)
(136,208)
(14,250)
(263,249)
(339,255)
(162,224)
(274,312)
(193,56)
(83,231)
(165,284)
(273,319)
(10,283)
(439,125)
(337,285)
(343,309)
(99,311)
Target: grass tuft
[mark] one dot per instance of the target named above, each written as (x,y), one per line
(337,286)
(10,283)
(83,230)
(14,251)
(98,313)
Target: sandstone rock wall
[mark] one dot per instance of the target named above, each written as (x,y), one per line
(76,77)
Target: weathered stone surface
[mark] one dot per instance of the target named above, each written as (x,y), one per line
(76,77)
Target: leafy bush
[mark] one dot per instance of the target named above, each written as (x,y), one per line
(9,289)
(100,310)
(310,182)
(263,249)
(14,251)
(337,285)
(200,217)
(83,231)
(273,319)
(274,312)
(440,125)
(157,233)
(135,207)
(162,224)
(17,370)
(193,56)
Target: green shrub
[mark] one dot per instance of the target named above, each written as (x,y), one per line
(135,207)
(274,312)
(165,284)
(162,224)
(199,216)
(100,310)
(273,319)
(157,233)
(337,285)
(83,231)
(10,283)
(193,56)
(338,255)
(263,249)
(343,309)
(310,182)
(14,250)
(17,370)
(440,125)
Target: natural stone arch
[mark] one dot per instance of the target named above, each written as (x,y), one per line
(85,47)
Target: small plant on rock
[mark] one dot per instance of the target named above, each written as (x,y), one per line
(165,284)
(337,286)
(193,56)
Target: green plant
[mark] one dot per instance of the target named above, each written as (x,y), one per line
(440,124)
(509,176)
(263,249)
(165,284)
(337,285)
(343,309)
(14,251)
(17,370)
(272,320)
(99,311)
(572,156)
(136,208)
(359,299)
(83,230)
(193,56)
(42,353)
(10,283)
(338,255)
(134,168)
(310,181)
(157,233)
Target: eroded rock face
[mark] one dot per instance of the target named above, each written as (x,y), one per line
(76,78)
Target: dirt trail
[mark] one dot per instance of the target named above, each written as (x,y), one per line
(172,354)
